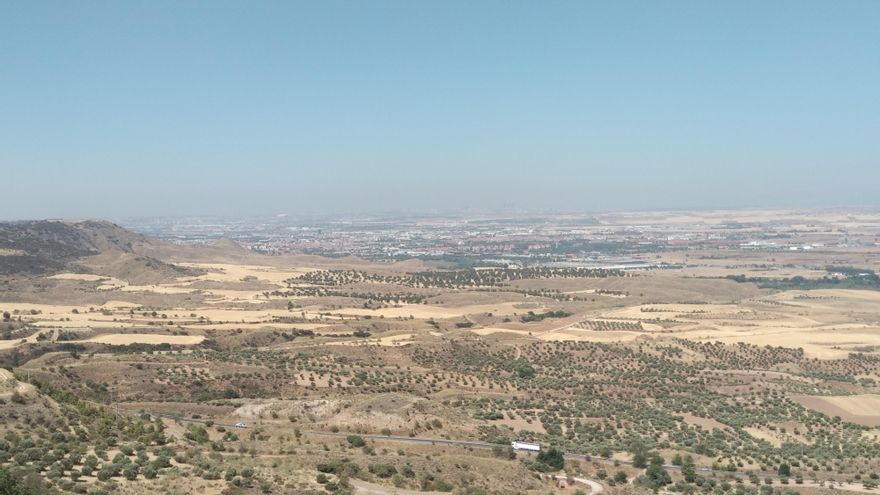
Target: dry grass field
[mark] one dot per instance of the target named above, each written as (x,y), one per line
(862,408)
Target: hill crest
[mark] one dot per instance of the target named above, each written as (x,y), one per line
(45,247)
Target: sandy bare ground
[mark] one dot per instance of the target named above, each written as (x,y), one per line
(120,305)
(861,409)
(425,311)
(321,408)
(777,438)
(66,316)
(389,341)
(9,344)
(170,485)
(114,284)
(367,488)
(46,309)
(577,334)
(256,326)
(118,316)
(595,291)
(705,423)
(225,272)
(145,338)
(764,435)
(155,289)
(815,321)
(648,311)
(215,272)
(219,296)
(80,276)
(520,424)
(849,487)
(8,385)
(820,321)
(491,330)
(82,324)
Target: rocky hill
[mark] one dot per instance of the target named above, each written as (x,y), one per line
(44,247)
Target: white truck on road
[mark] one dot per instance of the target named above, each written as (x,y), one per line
(532,447)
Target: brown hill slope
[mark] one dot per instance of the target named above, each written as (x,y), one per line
(45,247)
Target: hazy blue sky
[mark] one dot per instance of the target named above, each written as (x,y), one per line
(155,108)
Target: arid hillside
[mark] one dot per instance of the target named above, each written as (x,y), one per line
(48,247)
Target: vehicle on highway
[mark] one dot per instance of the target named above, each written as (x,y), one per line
(533,447)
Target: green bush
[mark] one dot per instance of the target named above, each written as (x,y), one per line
(356,440)
(383,470)
(105,473)
(552,458)
(9,485)
(196,433)
(130,472)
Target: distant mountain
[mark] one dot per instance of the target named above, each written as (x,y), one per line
(45,247)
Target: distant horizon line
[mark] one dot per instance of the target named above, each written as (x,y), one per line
(391,214)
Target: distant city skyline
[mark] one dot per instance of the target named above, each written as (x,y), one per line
(124,109)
